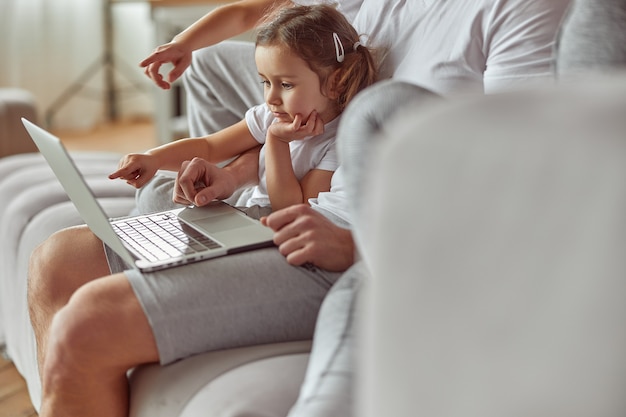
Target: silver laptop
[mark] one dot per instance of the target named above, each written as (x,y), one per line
(158,240)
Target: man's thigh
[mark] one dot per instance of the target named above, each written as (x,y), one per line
(105,322)
(244,299)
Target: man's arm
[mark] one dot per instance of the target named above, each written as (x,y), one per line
(305,236)
(301,234)
(199,182)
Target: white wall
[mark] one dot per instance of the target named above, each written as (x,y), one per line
(134,39)
(47,46)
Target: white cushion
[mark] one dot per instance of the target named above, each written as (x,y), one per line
(497,249)
(217,383)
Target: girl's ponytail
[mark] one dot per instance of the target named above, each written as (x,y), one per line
(358,71)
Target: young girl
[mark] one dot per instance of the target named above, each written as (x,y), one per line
(311,64)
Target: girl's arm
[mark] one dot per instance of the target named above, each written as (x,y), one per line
(217,147)
(225,22)
(138,169)
(219,24)
(283,187)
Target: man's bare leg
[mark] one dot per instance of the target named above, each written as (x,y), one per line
(93,341)
(58,267)
(89,326)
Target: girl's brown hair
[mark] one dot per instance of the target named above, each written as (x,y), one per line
(323,38)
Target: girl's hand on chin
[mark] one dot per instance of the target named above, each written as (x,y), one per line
(297,129)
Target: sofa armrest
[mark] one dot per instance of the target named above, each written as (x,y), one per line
(14,104)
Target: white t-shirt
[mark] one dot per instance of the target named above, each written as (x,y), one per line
(349,8)
(460,46)
(452,47)
(312,152)
(334,204)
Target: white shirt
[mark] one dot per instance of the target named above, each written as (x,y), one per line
(452,47)
(334,204)
(312,152)
(460,46)
(349,8)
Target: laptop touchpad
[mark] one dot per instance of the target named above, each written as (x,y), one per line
(221,223)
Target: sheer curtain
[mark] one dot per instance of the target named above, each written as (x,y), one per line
(46,46)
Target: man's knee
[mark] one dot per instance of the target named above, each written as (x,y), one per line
(68,339)
(78,337)
(45,262)
(59,266)
(41,257)
(70,351)
(156,195)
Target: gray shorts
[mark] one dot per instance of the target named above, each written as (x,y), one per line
(237,300)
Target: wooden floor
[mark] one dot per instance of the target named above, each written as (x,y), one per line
(123,137)
(14,400)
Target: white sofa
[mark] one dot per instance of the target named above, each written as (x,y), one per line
(262,379)
(34,206)
(498,282)
(181,389)
(515,317)
(157,391)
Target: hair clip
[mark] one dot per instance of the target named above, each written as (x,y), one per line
(339,52)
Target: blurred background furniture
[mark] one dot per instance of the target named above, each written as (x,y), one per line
(16,103)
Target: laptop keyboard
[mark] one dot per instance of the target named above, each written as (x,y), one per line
(162,236)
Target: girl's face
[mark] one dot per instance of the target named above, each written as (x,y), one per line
(291,87)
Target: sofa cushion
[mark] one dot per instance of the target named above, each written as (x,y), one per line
(36,206)
(329,383)
(504,295)
(227,380)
